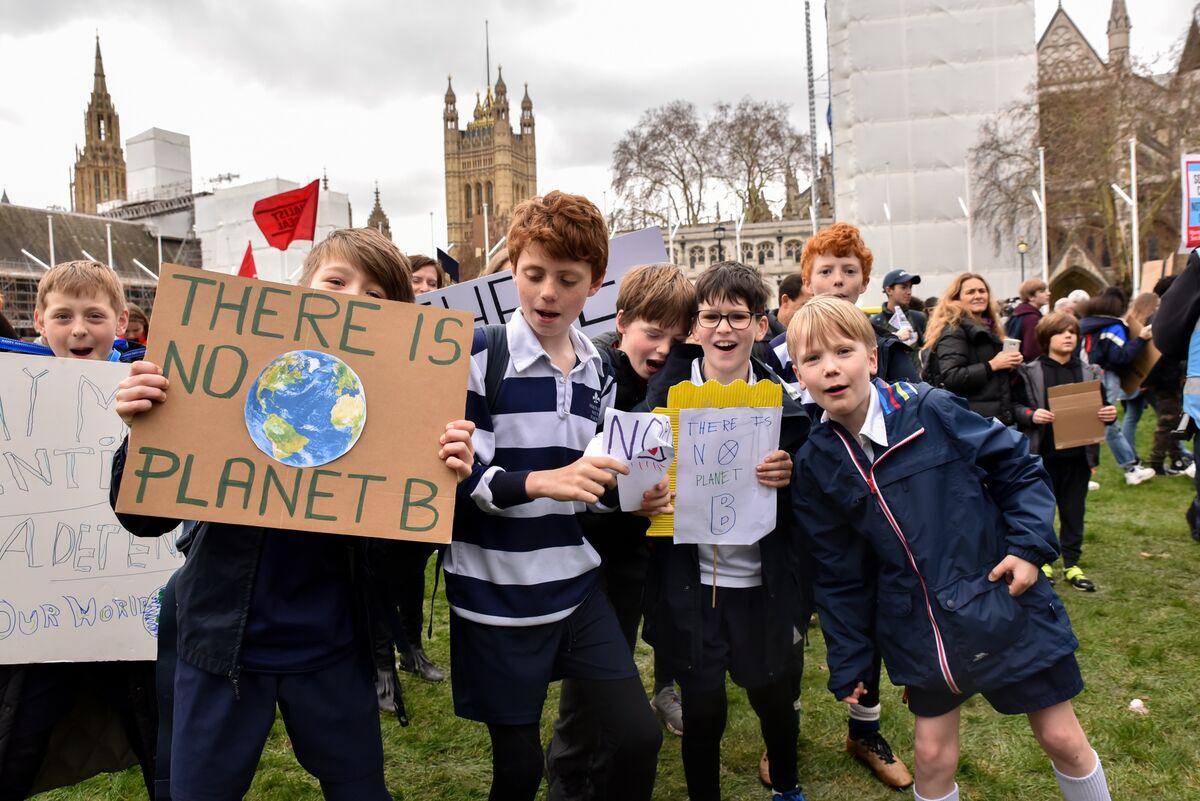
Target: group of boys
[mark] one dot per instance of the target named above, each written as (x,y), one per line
(269,618)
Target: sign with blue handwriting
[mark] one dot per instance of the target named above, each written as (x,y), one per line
(74,585)
(642,442)
(719,500)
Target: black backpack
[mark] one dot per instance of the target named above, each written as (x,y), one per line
(1012,328)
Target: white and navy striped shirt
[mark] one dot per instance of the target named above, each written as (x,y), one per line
(516,561)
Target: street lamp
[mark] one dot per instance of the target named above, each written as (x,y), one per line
(719,234)
(1022,246)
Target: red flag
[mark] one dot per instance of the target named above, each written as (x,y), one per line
(247,270)
(288,215)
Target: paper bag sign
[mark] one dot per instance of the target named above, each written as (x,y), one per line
(1075,408)
(74,585)
(641,441)
(297,409)
(721,435)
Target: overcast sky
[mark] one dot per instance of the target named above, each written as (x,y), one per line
(287,87)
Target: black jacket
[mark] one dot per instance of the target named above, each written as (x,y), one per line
(896,361)
(1178,312)
(962,353)
(674,594)
(215,585)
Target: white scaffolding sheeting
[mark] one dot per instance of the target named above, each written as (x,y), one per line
(913,80)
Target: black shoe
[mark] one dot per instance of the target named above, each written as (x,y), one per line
(1076,579)
(417,663)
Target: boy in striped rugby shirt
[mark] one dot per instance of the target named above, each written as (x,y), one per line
(521,579)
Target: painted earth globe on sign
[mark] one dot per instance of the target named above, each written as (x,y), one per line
(306,408)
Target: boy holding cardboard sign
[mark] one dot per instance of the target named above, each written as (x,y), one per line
(926,524)
(1057,336)
(271,617)
(748,631)
(526,607)
(80,311)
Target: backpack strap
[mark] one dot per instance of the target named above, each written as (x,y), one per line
(497,361)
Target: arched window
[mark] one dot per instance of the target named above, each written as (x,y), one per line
(747,253)
(714,254)
(491,203)
(696,257)
(107,191)
(479,197)
(766,252)
(467,193)
(102,128)
(792,250)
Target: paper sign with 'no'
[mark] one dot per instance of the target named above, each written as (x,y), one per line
(296,409)
(721,434)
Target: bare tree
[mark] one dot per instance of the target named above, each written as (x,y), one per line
(1086,133)
(661,165)
(754,145)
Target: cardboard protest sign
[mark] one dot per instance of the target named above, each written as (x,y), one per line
(297,409)
(642,441)
(721,434)
(74,585)
(492,299)
(1142,364)
(1075,407)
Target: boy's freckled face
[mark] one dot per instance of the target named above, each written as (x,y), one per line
(837,374)
(79,327)
(727,349)
(342,278)
(647,343)
(552,291)
(841,276)
(425,279)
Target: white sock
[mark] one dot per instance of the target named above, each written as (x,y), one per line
(1092,787)
(951,796)
(867,713)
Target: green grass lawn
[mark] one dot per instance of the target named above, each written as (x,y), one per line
(1139,638)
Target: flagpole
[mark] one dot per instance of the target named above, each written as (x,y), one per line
(50,226)
(432,236)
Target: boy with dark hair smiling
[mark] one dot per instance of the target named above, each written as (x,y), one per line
(522,582)
(732,610)
(927,524)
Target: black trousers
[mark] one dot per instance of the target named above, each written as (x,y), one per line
(1169,406)
(575,761)
(704,718)
(1069,479)
(398,579)
(625,731)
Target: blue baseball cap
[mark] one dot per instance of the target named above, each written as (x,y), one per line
(900,277)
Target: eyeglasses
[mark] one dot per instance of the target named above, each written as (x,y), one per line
(738,320)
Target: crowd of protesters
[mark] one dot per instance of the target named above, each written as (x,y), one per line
(546,581)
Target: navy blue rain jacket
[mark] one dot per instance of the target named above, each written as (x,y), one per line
(902,547)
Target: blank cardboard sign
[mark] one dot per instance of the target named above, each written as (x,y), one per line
(296,409)
(1075,408)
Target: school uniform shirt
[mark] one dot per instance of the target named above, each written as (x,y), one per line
(517,561)
(737,566)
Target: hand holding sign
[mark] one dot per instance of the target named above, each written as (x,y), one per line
(641,442)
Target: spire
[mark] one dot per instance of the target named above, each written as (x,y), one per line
(501,87)
(1189,59)
(1118,35)
(324,179)
(487,54)
(100,87)
(526,103)
(450,97)
(4,197)
(378,219)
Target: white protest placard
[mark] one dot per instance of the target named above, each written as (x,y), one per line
(719,500)
(492,298)
(642,442)
(74,585)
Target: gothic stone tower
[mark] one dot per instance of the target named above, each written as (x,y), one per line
(100,168)
(486,163)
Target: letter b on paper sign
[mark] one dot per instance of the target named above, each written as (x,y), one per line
(723,513)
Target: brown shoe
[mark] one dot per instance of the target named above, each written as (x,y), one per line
(876,754)
(764,770)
